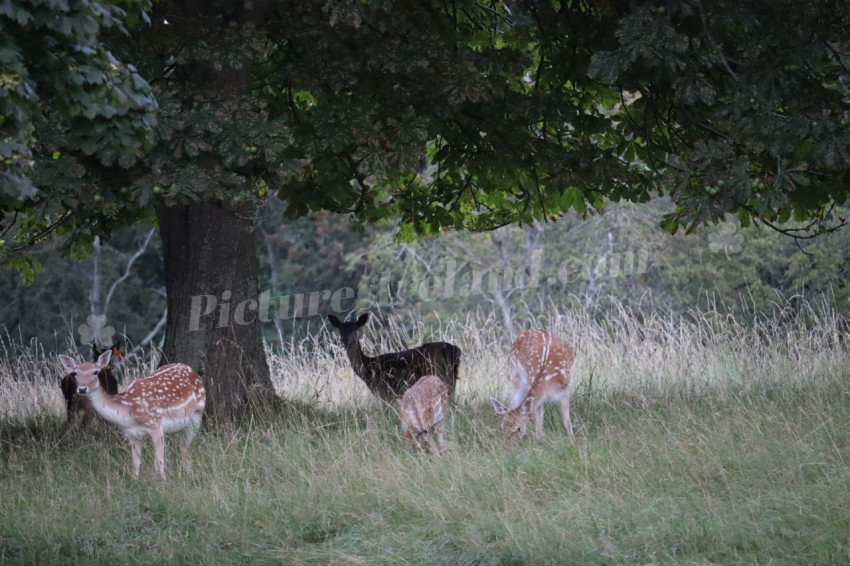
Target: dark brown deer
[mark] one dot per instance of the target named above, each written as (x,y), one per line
(74,403)
(388,376)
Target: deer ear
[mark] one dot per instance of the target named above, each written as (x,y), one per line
(334,320)
(103,359)
(363,318)
(68,363)
(527,405)
(498,407)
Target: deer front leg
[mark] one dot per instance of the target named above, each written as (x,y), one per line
(441,443)
(158,438)
(422,438)
(87,407)
(538,420)
(408,441)
(136,450)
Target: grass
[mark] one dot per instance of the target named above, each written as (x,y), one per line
(705,440)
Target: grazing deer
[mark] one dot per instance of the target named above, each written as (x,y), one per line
(389,375)
(423,410)
(169,400)
(542,364)
(74,402)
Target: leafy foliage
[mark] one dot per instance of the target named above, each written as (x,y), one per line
(743,107)
(58,77)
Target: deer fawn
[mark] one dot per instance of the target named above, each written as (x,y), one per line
(74,403)
(389,375)
(423,410)
(169,400)
(542,364)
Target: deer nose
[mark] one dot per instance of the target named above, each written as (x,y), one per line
(82,390)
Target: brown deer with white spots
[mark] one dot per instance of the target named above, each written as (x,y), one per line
(423,411)
(542,366)
(171,399)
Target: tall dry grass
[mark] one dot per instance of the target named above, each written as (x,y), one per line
(617,350)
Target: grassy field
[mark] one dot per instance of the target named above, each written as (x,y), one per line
(704,440)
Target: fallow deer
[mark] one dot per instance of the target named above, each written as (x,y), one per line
(389,375)
(542,366)
(171,399)
(74,403)
(423,409)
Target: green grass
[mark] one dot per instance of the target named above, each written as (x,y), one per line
(736,453)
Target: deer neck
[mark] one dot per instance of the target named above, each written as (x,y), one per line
(110,408)
(364,366)
(359,360)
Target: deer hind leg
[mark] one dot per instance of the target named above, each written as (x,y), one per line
(565,412)
(136,451)
(186,439)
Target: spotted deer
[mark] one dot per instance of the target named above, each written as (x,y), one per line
(542,365)
(422,411)
(74,402)
(171,399)
(389,375)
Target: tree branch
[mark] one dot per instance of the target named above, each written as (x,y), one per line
(127,269)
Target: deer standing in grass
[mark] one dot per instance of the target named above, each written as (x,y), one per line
(74,403)
(389,375)
(171,399)
(542,366)
(423,410)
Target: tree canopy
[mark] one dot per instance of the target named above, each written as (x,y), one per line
(525,109)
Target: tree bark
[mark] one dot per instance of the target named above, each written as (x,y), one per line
(211,283)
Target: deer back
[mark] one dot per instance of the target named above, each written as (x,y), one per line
(424,405)
(172,393)
(542,365)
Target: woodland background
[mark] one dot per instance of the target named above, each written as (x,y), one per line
(619,252)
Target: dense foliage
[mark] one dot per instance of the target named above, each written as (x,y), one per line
(524,110)
(68,108)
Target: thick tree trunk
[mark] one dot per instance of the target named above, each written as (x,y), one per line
(211,281)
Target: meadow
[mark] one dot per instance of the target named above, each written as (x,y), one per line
(704,439)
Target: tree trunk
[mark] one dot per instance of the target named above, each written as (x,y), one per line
(211,283)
